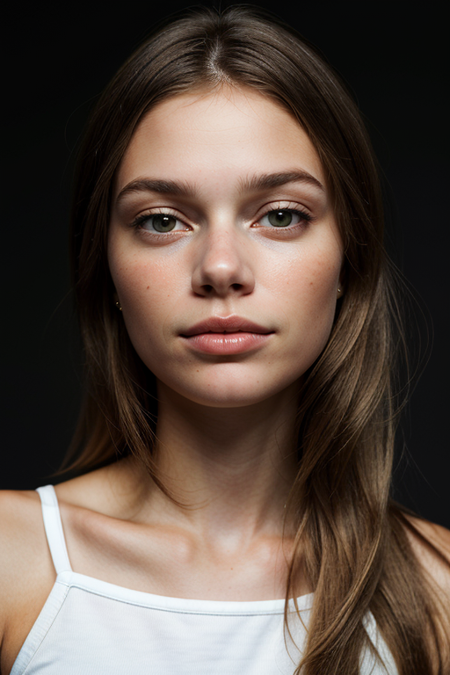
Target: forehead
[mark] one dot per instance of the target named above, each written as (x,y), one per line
(223,135)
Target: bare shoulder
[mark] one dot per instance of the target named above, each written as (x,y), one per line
(22,542)
(431,545)
(26,569)
(21,533)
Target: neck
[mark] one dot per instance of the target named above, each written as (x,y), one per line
(231,469)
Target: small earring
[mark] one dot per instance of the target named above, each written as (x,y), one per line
(339,292)
(118,305)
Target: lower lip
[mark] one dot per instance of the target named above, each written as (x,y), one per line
(227,343)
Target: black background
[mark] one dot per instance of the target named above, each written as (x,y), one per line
(58,59)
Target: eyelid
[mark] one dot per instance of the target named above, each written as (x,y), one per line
(295,208)
(155,211)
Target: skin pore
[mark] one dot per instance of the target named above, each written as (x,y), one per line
(216,164)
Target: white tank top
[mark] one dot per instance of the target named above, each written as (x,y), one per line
(91,627)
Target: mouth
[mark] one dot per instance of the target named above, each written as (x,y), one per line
(226,336)
(224,325)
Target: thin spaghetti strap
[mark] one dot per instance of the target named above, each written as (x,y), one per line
(53,528)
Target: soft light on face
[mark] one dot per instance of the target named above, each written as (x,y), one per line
(221,210)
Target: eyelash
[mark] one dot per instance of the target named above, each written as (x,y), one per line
(304,216)
(140,220)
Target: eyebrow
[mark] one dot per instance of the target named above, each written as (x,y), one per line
(264,181)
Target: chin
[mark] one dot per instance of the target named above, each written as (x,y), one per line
(220,392)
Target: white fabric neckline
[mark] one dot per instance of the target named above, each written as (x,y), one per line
(67,577)
(181,605)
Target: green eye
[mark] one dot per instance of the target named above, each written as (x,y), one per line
(162,222)
(280,218)
(283,218)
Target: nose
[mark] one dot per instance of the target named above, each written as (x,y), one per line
(223,266)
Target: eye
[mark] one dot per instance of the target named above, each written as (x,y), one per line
(283,218)
(158,222)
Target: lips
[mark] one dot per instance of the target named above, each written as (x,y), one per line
(226,336)
(229,324)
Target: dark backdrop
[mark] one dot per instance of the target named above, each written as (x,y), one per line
(57,61)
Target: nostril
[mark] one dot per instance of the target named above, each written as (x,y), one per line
(214,276)
(208,289)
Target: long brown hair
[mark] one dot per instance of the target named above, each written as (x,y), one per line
(351,539)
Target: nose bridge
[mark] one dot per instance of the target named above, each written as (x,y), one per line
(221,246)
(223,264)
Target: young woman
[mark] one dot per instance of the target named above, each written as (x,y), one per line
(232,512)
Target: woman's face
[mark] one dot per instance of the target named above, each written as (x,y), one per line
(221,214)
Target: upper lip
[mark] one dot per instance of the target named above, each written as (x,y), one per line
(225,324)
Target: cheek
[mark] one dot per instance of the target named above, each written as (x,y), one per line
(309,296)
(147,291)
